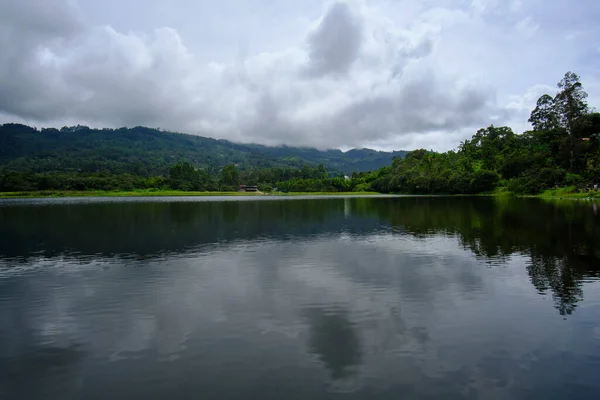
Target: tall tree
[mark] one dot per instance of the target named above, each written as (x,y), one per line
(184,176)
(570,101)
(544,116)
(230,177)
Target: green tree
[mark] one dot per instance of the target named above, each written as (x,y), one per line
(183,176)
(321,172)
(570,101)
(230,178)
(544,117)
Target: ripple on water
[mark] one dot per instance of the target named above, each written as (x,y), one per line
(358,298)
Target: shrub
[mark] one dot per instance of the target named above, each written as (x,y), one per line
(524,185)
(362,187)
(573,179)
(484,180)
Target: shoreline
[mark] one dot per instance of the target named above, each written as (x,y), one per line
(550,194)
(566,193)
(164,193)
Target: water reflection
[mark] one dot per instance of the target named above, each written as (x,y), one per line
(359,297)
(334,340)
(561,241)
(555,275)
(45,365)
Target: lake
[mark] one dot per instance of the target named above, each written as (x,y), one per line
(299,298)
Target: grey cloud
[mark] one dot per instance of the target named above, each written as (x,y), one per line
(40,17)
(335,44)
(419,50)
(95,77)
(421,105)
(26,27)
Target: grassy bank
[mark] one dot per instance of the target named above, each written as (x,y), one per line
(325,194)
(160,193)
(568,193)
(103,193)
(561,193)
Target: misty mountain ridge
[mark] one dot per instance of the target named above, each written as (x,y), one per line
(149,151)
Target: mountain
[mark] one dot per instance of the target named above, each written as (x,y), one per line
(146,151)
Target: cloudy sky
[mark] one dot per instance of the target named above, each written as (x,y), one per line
(387,74)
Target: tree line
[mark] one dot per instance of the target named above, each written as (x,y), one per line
(181,176)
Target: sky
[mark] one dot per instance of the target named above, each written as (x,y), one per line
(383,74)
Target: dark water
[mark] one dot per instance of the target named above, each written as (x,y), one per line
(378,298)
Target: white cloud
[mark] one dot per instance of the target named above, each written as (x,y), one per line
(334,74)
(526,27)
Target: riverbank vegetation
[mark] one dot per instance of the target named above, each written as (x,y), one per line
(569,192)
(182,177)
(162,193)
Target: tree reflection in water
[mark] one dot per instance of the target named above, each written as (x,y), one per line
(560,239)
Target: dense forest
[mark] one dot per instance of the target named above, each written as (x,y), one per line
(149,152)
(562,149)
(181,176)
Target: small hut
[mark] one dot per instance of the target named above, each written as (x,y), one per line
(248,188)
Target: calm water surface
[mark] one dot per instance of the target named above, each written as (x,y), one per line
(336,298)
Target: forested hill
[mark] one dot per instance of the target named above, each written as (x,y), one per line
(147,152)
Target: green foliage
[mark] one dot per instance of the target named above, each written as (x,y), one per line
(526,163)
(151,152)
(566,115)
(183,176)
(570,102)
(230,178)
(484,181)
(362,187)
(573,179)
(265,187)
(544,117)
(11,181)
(339,184)
(524,185)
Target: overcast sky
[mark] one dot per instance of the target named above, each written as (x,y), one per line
(386,74)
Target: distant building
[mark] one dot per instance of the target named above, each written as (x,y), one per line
(247,188)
